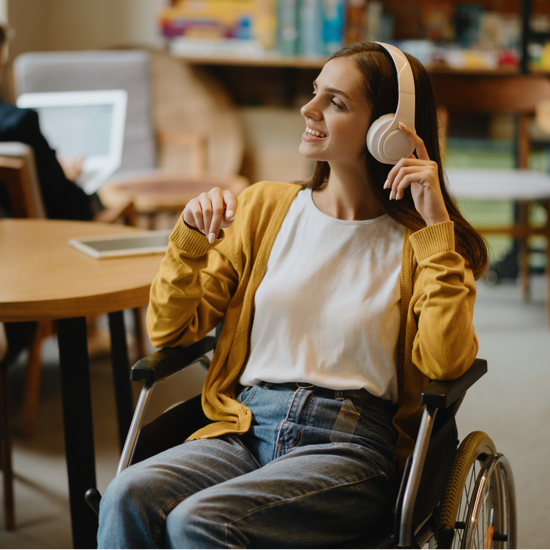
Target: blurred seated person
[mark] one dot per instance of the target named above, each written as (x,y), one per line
(63,199)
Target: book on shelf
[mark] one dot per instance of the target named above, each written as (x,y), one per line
(357,21)
(311,21)
(265,23)
(195,26)
(310,28)
(334,25)
(287,27)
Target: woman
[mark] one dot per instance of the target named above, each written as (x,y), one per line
(340,299)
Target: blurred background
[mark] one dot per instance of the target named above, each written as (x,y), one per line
(265,54)
(214,89)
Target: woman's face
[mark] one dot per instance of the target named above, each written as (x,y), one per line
(338,112)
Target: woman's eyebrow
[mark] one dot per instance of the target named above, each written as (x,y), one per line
(335,91)
(338,92)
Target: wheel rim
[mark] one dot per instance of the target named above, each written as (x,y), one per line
(468,492)
(479,495)
(452,519)
(490,519)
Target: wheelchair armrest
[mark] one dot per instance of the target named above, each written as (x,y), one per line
(438,394)
(168,361)
(441,394)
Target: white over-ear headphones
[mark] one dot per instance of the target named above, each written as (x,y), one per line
(384,140)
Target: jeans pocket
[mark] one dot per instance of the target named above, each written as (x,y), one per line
(379,418)
(381,427)
(246,395)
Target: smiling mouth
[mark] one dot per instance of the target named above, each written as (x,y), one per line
(315,133)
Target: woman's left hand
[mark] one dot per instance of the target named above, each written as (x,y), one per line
(421,174)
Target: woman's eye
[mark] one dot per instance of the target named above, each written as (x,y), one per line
(312,95)
(336,104)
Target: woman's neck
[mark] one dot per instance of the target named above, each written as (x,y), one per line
(347,195)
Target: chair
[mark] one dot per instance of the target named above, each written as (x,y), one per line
(5,434)
(516,95)
(17,171)
(181,128)
(456,497)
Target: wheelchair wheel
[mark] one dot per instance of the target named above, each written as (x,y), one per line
(478,508)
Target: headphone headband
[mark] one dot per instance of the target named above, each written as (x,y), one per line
(405,80)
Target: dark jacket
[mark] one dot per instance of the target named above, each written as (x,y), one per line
(63,199)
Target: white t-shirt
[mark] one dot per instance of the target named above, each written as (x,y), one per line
(327,311)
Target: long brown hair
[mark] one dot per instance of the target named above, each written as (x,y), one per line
(380,84)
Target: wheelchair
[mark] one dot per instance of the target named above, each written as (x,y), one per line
(450,496)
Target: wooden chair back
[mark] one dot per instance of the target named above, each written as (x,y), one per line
(518,95)
(18,172)
(14,175)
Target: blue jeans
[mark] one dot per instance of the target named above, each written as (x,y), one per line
(315,469)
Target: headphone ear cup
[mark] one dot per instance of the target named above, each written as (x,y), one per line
(374,135)
(397,146)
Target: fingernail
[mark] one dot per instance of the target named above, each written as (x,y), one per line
(402,125)
(229,214)
(211,238)
(386,184)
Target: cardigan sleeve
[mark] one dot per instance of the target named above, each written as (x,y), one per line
(190,294)
(445,344)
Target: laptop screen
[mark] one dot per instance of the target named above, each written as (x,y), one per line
(77,130)
(83,124)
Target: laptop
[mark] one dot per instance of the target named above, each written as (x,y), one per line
(88,125)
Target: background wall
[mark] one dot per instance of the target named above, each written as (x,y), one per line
(86,24)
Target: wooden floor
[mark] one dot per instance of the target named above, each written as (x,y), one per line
(511,404)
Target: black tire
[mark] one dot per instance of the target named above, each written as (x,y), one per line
(478,505)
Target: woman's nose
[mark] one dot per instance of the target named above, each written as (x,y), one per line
(309,110)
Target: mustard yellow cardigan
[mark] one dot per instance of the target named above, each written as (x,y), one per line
(200,284)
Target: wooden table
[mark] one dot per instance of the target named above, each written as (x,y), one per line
(41,278)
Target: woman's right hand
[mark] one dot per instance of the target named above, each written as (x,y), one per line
(210,212)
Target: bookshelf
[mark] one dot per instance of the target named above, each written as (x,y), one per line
(513,25)
(272,60)
(270,80)
(267,78)
(266,59)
